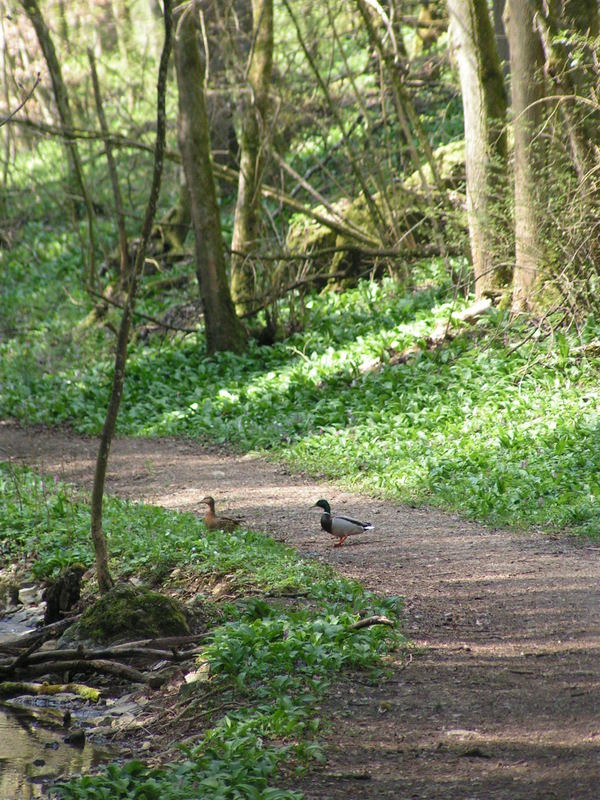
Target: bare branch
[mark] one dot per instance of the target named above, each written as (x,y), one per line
(28,96)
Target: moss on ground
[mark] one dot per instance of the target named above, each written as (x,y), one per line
(127,612)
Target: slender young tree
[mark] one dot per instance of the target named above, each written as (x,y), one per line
(61,98)
(98,536)
(484,106)
(254,137)
(112,172)
(224,331)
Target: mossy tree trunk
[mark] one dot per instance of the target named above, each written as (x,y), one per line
(526,88)
(254,138)
(224,331)
(484,106)
(105,581)
(61,98)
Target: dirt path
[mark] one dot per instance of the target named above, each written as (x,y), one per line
(503,699)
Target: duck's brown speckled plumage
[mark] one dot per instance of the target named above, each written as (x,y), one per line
(217,522)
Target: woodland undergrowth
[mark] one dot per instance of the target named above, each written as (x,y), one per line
(270,655)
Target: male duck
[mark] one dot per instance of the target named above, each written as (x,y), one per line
(216,522)
(339,526)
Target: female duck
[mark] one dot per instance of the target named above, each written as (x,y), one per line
(216,522)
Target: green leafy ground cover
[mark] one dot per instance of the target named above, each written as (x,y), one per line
(271,661)
(507,436)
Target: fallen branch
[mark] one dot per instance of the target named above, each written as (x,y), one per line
(165,641)
(97,665)
(170,282)
(16,688)
(20,106)
(368,621)
(406,254)
(23,662)
(363,775)
(136,313)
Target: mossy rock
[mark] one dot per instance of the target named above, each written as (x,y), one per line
(125,613)
(399,212)
(403,216)
(306,234)
(450,161)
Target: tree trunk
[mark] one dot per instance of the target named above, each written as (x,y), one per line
(484,105)
(66,119)
(500,36)
(98,537)
(253,144)
(224,331)
(525,66)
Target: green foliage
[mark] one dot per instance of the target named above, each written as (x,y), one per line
(41,519)
(276,660)
(505,435)
(281,663)
(241,771)
(49,523)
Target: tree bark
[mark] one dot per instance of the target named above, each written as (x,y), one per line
(224,331)
(525,65)
(98,536)
(254,139)
(484,105)
(500,36)
(66,118)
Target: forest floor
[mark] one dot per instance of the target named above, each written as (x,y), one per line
(500,697)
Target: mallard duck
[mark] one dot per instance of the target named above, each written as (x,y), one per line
(336,525)
(215,522)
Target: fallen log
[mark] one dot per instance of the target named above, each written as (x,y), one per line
(368,621)
(95,665)
(80,653)
(16,688)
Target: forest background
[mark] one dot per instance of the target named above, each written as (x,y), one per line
(374,252)
(337,164)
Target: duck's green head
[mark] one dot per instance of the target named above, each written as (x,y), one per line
(324,505)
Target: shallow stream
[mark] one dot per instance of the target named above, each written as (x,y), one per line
(33,753)
(33,756)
